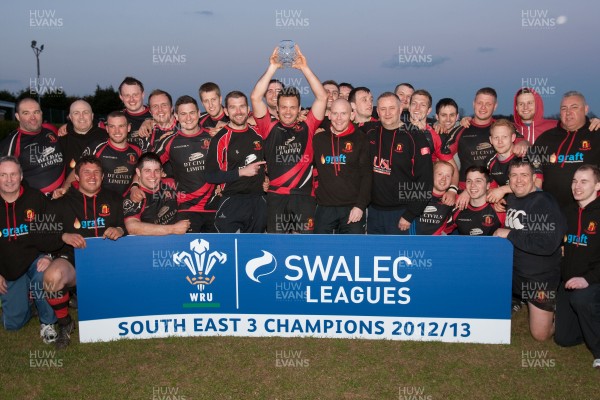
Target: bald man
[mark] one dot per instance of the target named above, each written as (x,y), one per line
(341,154)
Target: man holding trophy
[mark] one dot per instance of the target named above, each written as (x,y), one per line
(288,144)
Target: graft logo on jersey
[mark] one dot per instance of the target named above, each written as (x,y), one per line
(201,264)
(89,224)
(348,147)
(567,158)
(398,148)
(341,159)
(585,145)
(591,228)
(29,215)
(104,210)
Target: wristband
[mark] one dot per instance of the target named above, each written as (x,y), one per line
(135,184)
(454,188)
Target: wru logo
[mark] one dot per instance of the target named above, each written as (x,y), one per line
(201,264)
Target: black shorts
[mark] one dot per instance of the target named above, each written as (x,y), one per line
(242,213)
(290,213)
(335,220)
(200,222)
(540,293)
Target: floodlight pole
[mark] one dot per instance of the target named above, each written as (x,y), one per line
(37,51)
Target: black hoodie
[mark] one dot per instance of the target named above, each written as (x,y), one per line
(559,153)
(582,243)
(26,231)
(88,216)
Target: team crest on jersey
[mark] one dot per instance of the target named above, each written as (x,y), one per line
(591,229)
(131,158)
(488,220)
(104,210)
(29,215)
(297,127)
(205,144)
(348,147)
(257,145)
(52,138)
(398,148)
(310,224)
(585,145)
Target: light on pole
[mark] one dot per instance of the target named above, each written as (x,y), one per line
(37,51)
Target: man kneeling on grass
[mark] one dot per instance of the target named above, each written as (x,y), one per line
(88,211)
(578,300)
(535,226)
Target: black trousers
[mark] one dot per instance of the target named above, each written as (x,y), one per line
(578,317)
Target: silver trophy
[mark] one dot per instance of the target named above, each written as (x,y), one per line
(287,53)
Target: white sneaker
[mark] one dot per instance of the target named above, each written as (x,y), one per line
(596,363)
(48,333)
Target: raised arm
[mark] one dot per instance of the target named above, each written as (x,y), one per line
(320,103)
(259,108)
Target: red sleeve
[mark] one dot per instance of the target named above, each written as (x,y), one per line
(454,146)
(264,125)
(437,146)
(312,122)
(164,157)
(502,218)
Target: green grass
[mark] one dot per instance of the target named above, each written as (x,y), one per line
(245,368)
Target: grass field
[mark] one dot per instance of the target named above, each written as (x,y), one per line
(260,368)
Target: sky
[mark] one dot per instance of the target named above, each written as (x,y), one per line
(451,48)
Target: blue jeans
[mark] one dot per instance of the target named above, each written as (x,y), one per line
(16,309)
(385,222)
